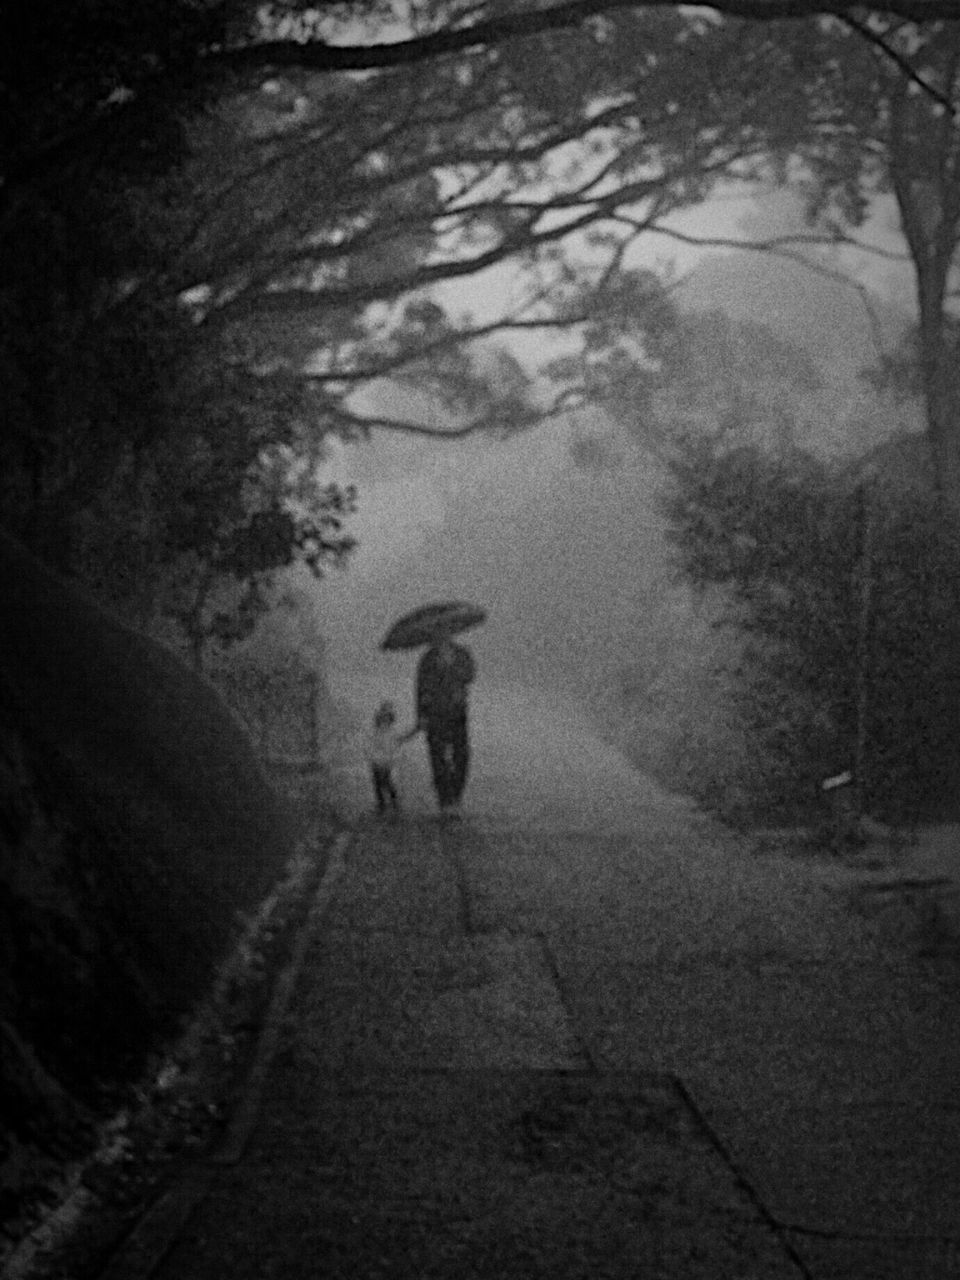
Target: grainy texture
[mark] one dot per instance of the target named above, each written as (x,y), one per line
(135,824)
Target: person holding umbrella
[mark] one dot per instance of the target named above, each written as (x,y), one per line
(444,675)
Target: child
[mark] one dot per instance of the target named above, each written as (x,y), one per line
(382,746)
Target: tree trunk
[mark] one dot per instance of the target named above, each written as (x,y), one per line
(926,184)
(862,784)
(943,433)
(940,407)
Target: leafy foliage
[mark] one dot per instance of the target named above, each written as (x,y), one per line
(849,598)
(260,235)
(236,518)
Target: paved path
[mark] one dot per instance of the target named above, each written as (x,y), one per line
(584,1034)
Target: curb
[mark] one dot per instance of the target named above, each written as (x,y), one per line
(244,1118)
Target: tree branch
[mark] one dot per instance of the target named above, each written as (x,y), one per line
(253,299)
(525,239)
(351,422)
(901,63)
(354,187)
(318,56)
(448,342)
(777,242)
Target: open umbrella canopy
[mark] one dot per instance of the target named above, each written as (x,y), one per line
(432,622)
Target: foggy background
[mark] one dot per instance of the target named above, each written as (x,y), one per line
(558,532)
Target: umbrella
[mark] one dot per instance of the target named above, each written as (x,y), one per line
(432,622)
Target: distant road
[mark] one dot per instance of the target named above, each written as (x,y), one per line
(807,1016)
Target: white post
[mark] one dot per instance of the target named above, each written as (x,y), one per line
(865,576)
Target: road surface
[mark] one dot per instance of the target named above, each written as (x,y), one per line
(585,1032)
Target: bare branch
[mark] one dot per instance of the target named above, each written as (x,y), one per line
(521,239)
(354,188)
(525,238)
(351,422)
(448,342)
(775,242)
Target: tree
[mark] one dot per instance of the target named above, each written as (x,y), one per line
(441,175)
(238,507)
(883,119)
(289,240)
(300,228)
(823,72)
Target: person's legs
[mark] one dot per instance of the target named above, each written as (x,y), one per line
(438,744)
(459,757)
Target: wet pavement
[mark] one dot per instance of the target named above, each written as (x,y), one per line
(584,1033)
(431,1111)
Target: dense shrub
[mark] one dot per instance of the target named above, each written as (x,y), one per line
(846,592)
(135,828)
